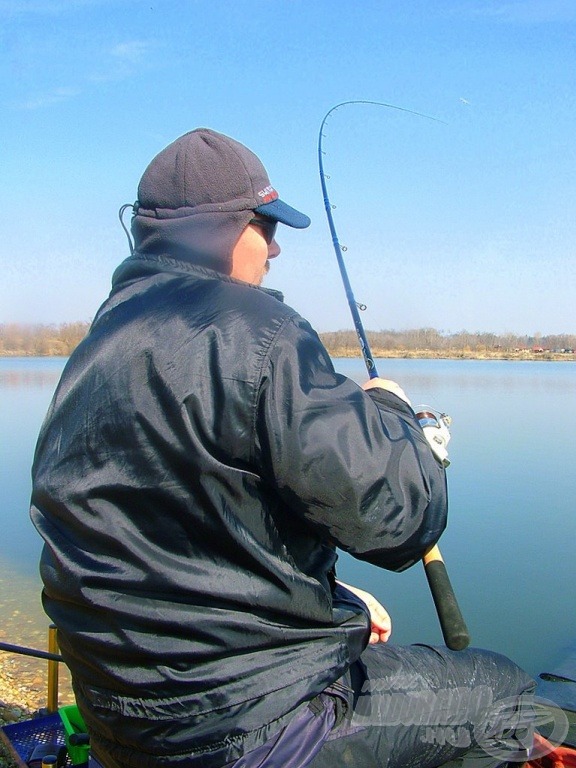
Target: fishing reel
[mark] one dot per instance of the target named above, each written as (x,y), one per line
(436,427)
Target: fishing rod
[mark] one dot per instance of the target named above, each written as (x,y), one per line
(23,651)
(452,623)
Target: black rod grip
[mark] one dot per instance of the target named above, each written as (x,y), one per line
(453,626)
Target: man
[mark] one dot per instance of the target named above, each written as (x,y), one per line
(198,467)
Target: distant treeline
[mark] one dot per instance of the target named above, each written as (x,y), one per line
(345,343)
(38,340)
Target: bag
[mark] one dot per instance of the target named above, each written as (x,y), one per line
(554,757)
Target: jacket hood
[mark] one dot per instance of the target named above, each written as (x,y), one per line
(206,238)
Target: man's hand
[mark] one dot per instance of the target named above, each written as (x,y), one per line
(381,628)
(389,386)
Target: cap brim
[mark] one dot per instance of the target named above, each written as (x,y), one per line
(285,214)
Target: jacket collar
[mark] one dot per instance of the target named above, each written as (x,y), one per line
(140,265)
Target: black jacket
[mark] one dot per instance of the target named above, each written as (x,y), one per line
(199,465)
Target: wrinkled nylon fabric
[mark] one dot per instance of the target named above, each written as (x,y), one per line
(422,706)
(199,465)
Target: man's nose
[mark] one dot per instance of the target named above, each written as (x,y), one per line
(273,249)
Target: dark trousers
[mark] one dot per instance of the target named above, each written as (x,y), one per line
(411,707)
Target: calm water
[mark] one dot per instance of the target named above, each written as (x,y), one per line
(510,541)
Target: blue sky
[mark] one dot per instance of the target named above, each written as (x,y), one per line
(467,223)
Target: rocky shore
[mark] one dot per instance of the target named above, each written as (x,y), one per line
(20,697)
(22,690)
(23,623)
(23,693)
(23,679)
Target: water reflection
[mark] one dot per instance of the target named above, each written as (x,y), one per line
(28,378)
(474,375)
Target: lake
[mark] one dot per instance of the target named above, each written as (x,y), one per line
(512,525)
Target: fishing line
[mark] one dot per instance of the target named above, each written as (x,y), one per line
(453,626)
(339,249)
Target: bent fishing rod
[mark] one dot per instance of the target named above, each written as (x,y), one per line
(454,630)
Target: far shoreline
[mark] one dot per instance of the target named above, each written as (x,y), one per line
(457,354)
(403,354)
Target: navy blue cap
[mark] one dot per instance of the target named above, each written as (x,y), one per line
(205,171)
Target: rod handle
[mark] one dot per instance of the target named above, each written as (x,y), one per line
(454,630)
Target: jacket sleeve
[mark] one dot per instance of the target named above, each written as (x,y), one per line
(355,465)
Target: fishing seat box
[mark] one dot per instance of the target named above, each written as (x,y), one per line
(23,738)
(53,730)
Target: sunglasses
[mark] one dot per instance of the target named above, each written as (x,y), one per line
(268,227)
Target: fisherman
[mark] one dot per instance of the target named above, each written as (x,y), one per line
(199,467)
